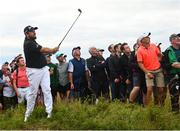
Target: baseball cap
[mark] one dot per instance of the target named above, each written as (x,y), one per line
(78,47)
(29,29)
(59,54)
(174,36)
(101,50)
(48,55)
(6,63)
(143,36)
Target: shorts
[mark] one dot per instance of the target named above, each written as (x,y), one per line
(9,102)
(139,80)
(64,89)
(158,79)
(136,79)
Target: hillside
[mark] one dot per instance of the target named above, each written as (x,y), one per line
(104,115)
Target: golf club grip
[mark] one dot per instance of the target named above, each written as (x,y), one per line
(69,29)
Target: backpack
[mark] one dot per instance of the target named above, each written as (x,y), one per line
(165,63)
(166,66)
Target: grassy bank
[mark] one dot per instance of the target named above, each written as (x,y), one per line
(102,116)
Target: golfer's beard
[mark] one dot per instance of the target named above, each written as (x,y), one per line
(33,37)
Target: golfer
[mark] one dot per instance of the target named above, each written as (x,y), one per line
(37,71)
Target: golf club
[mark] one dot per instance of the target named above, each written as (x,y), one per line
(70,27)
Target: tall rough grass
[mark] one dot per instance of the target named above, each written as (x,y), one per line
(104,115)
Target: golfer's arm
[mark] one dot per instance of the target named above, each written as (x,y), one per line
(142,67)
(47,50)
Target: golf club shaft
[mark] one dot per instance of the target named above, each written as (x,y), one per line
(69,29)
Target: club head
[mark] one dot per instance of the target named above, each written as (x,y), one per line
(80,10)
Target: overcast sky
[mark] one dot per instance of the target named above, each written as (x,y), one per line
(102,22)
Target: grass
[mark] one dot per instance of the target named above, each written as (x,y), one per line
(104,115)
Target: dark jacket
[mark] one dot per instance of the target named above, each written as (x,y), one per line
(115,67)
(134,64)
(107,66)
(97,67)
(126,70)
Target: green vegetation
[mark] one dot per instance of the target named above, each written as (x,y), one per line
(104,115)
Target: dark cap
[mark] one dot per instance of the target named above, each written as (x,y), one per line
(48,55)
(6,63)
(78,47)
(29,29)
(174,36)
(101,50)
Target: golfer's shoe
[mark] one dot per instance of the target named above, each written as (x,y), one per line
(97,101)
(49,115)
(25,119)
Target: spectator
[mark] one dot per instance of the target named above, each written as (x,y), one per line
(100,52)
(20,81)
(115,72)
(138,79)
(78,75)
(148,56)
(117,48)
(126,83)
(112,52)
(172,56)
(54,82)
(9,95)
(99,80)
(2,83)
(64,87)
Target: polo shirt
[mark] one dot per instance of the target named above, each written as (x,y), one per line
(149,57)
(34,58)
(21,77)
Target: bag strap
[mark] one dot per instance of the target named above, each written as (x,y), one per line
(17,71)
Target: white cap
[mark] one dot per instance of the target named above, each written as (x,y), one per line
(143,36)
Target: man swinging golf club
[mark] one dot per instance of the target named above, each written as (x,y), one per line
(37,71)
